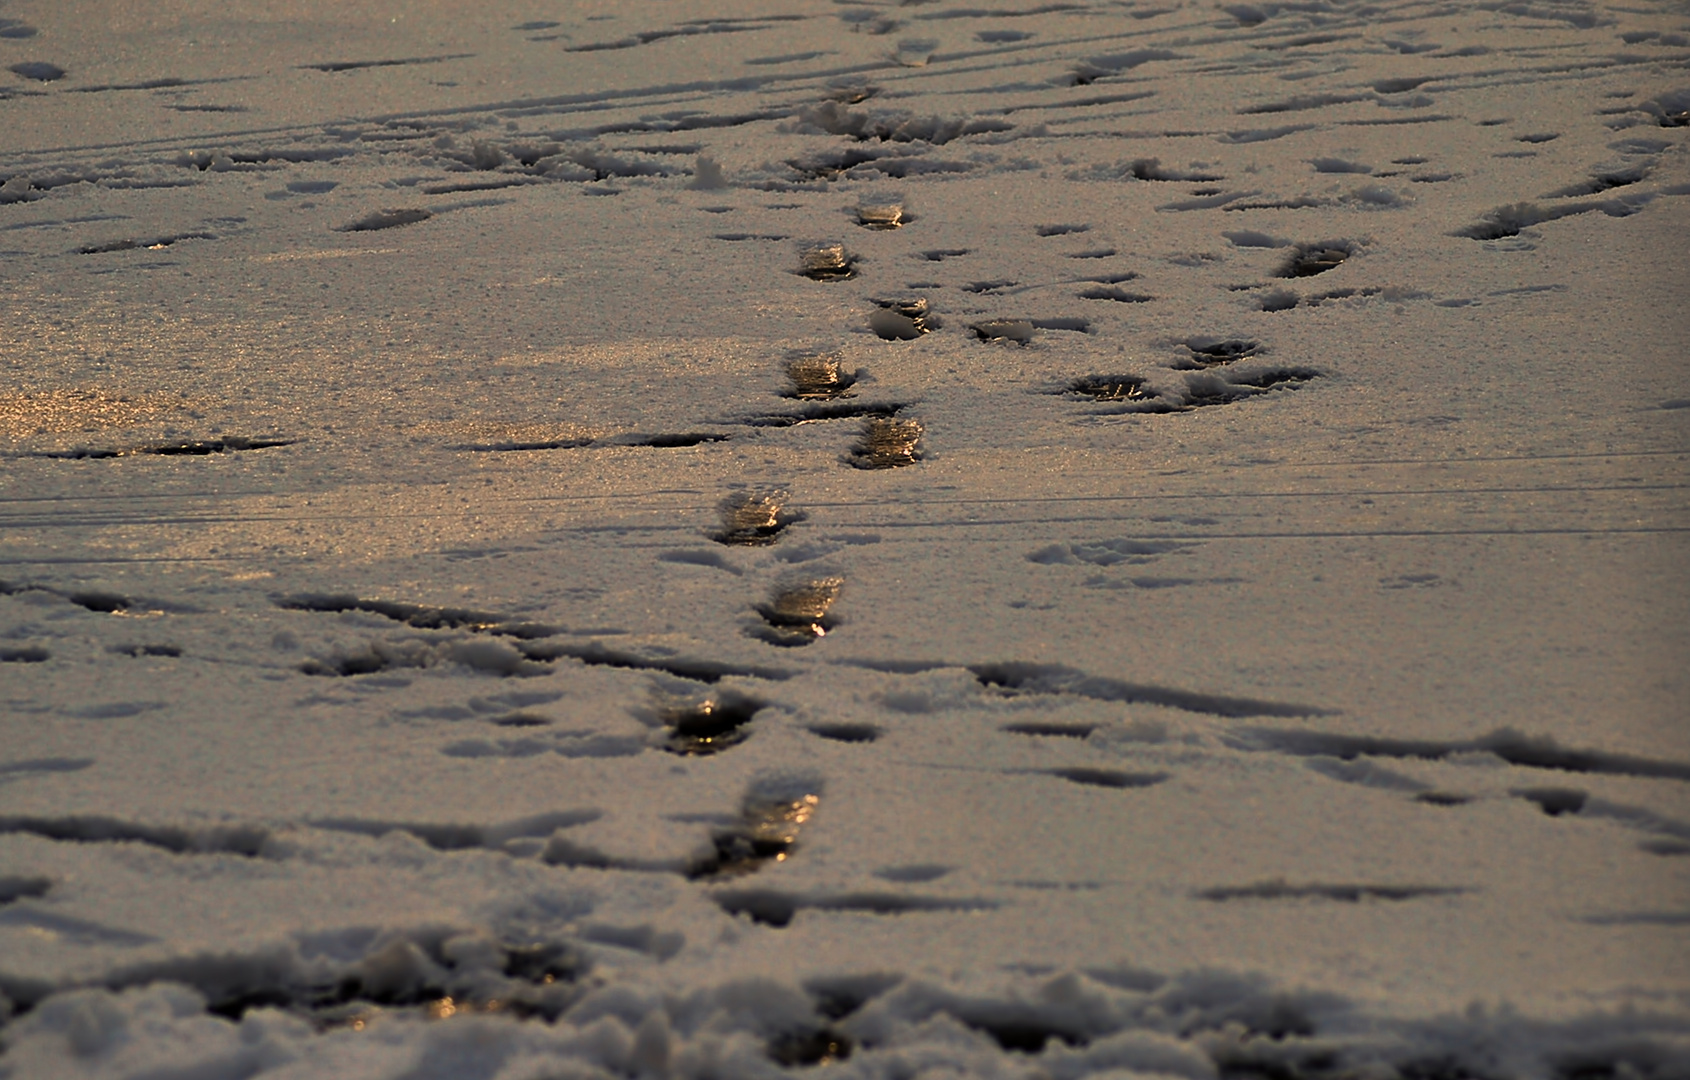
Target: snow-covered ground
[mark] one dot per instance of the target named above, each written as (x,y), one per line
(472,605)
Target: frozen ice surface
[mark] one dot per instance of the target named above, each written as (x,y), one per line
(1191,584)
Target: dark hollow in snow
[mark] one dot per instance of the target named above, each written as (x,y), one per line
(1061,230)
(39,70)
(1514,747)
(1051,729)
(1442,798)
(1346,893)
(358,65)
(1109,778)
(1311,259)
(676,440)
(886,443)
(227,445)
(772,907)
(846,732)
(709,726)
(1287,377)
(821,1047)
(421,616)
(245,840)
(1016,330)
(1111,292)
(13,889)
(1063,322)
(149,244)
(816,412)
(139,651)
(598,654)
(901,320)
(1210,352)
(1554,801)
(1015,677)
(28,654)
(387,219)
(103,602)
(521,979)
(1152,169)
(520,720)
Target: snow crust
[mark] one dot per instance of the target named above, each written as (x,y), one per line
(1093,539)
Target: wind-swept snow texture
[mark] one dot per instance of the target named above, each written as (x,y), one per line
(860,539)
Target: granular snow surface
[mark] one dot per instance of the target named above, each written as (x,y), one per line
(844,539)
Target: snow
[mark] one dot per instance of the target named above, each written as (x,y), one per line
(859,539)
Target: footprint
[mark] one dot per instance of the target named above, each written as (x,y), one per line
(1017,330)
(882,216)
(754,518)
(708,725)
(887,443)
(1124,393)
(797,612)
(826,262)
(772,818)
(902,320)
(1311,259)
(1060,230)
(818,376)
(1209,352)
